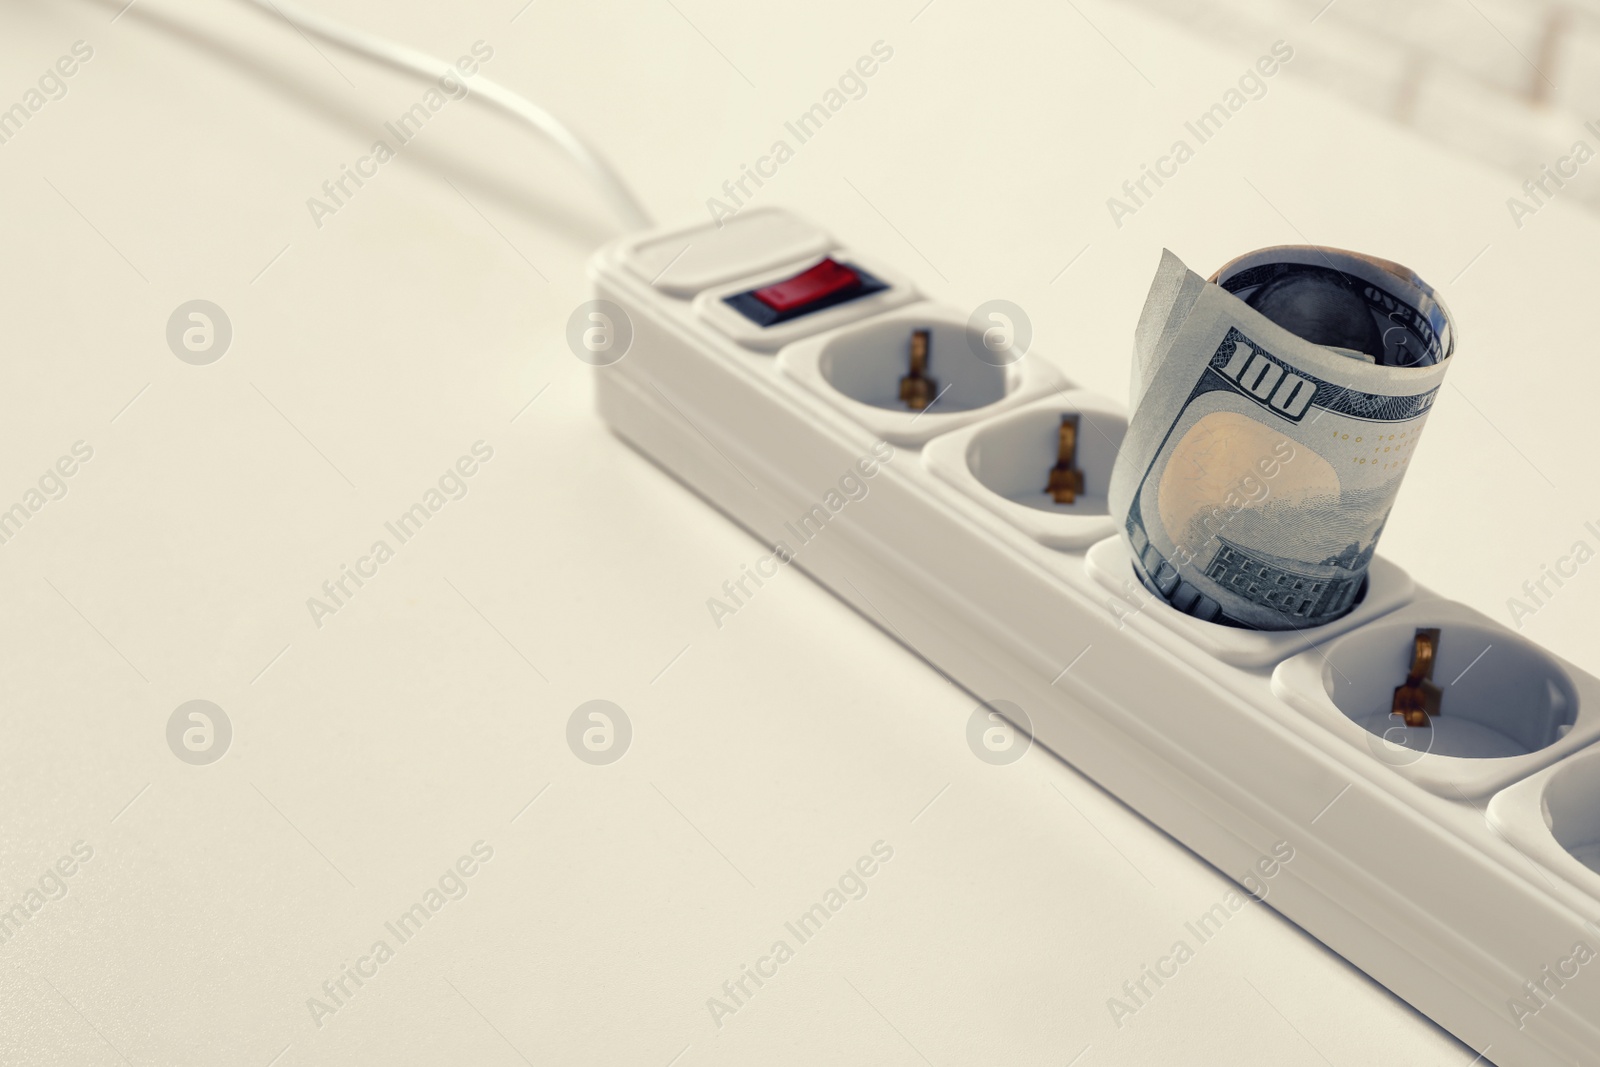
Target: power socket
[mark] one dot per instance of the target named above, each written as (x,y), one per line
(1458,865)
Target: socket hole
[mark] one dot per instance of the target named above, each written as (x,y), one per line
(1572,811)
(1501,695)
(868,363)
(1013,457)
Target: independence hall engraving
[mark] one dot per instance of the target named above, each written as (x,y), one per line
(1297,589)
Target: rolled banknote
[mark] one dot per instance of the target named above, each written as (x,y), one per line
(1276,407)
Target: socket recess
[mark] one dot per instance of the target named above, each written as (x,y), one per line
(1004,463)
(858,369)
(1554,818)
(1508,706)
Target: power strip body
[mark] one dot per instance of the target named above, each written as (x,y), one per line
(1429,874)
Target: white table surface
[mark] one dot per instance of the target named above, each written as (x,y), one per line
(768,755)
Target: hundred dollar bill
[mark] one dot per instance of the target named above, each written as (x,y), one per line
(1276,408)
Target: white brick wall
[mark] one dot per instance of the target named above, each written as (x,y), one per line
(1508,82)
(1577,69)
(1480,121)
(1375,73)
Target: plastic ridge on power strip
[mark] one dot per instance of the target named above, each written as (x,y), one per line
(1463,873)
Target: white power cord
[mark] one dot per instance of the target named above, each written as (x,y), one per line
(404,58)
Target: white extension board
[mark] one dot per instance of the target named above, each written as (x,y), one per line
(1459,865)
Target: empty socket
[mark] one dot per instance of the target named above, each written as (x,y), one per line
(1507,707)
(1501,696)
(867,370)
(1554,816)
(1013,456)
(1005,464)
(868,365)
(1572,810)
